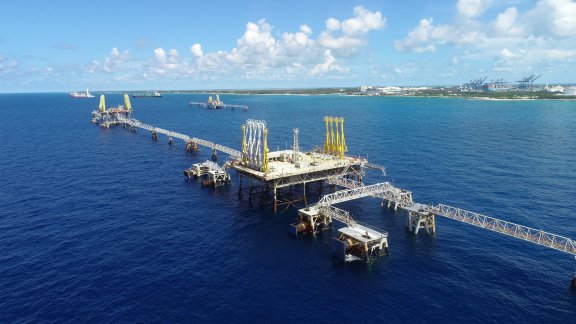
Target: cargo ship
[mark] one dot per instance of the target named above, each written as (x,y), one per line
(154,94)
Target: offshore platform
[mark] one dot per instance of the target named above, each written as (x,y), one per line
(217,104)
(283,178)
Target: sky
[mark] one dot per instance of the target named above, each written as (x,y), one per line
(53,46)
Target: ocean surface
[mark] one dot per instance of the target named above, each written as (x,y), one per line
(101,226)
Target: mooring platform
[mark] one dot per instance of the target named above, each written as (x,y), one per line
(287,168)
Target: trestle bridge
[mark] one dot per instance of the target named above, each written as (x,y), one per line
(285,170)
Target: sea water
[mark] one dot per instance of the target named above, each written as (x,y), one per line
(99,225)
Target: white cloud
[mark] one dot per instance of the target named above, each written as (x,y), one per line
(417,36)
(352,31)
(364,22)
(196,50)
(506,54)
(516,40)
(472,8)
(160,55)
(167,61)
(332,24)
(306,29)
(327,66)
(256,46)
(115,60)
(7,65)
(552,17)
(507,23)
(259,54)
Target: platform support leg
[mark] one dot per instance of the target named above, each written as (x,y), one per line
(239,185)
(250,191)
(304,193)
(416,221)
(275,198)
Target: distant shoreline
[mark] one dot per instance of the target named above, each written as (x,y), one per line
(428,93)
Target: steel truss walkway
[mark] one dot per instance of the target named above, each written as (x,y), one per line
(350,194)
(137,124)
(422,215)
(525,233)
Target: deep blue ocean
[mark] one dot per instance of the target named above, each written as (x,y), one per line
(101,226)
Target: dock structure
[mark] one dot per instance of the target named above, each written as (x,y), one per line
(107,117)
(422,216)
(213,174)
(122,116)
(282,171)
(217,104)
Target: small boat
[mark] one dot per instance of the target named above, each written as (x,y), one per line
(154,94)
(85,94)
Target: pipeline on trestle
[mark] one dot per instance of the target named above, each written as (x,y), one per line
(285,178)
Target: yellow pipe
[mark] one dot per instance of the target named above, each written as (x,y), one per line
(127,104)
(265,150)
(102,106)
(244,145)
(331,135)
(337,146)
(327,142)
(343,147)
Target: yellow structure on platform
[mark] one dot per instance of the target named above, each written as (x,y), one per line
(244,146)
(335,143)
(332,138)
(343,147)
(102,106)
(327,142)
(265,166)
(127,104)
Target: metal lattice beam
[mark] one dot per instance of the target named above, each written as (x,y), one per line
(351,194)
(525,233)
(135,123)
